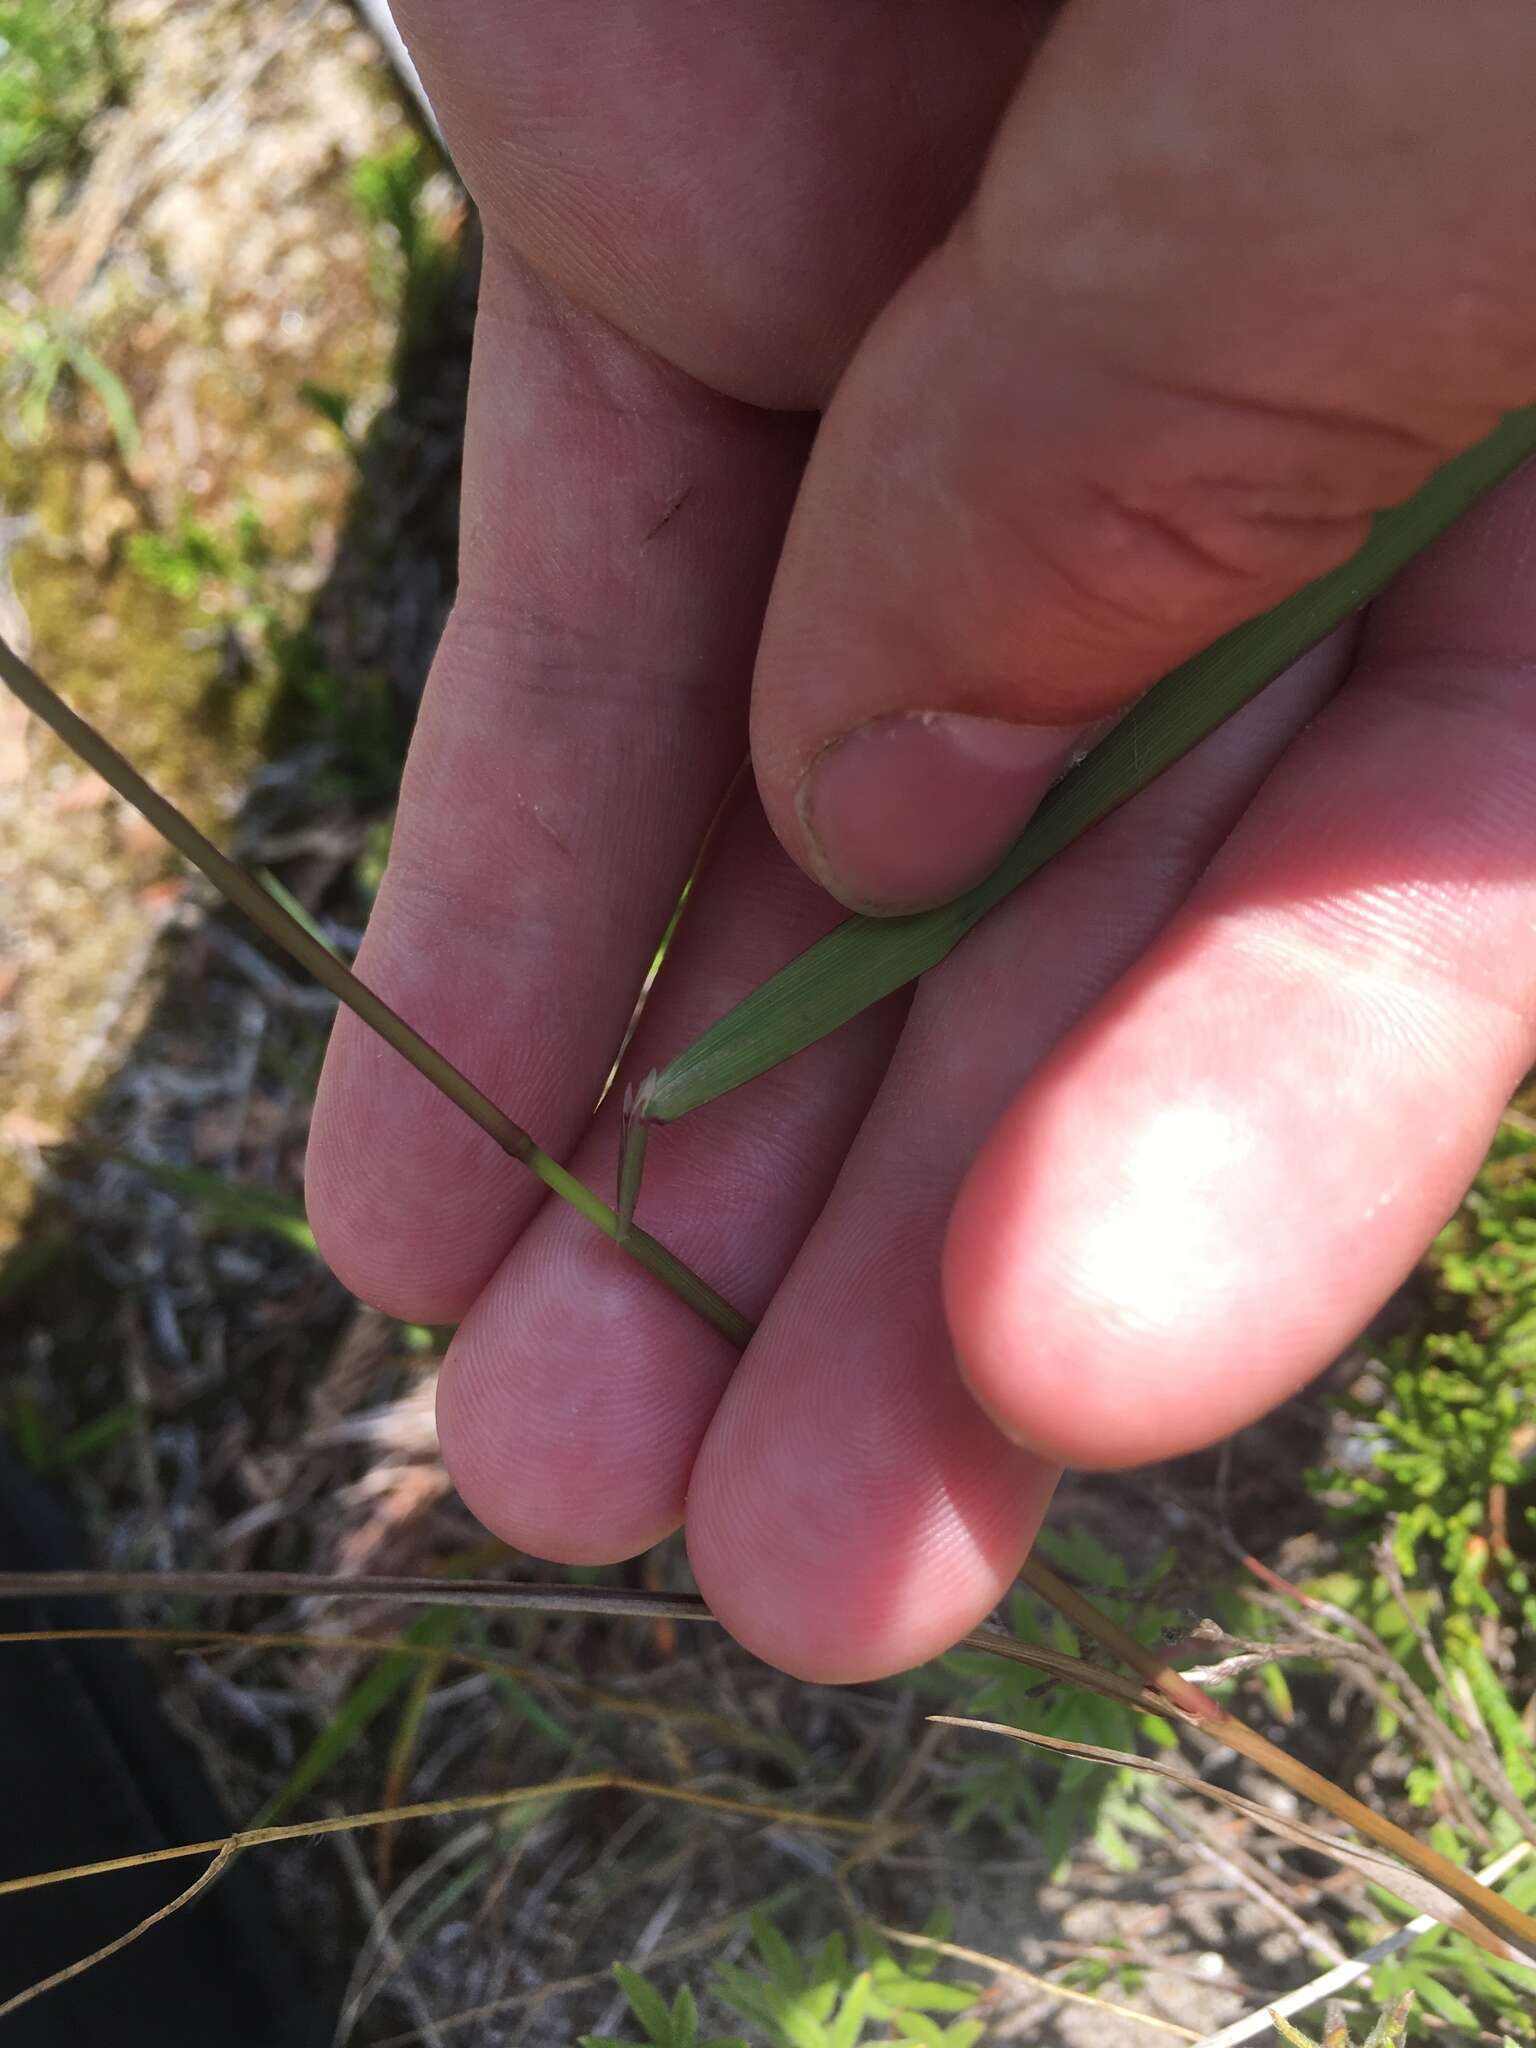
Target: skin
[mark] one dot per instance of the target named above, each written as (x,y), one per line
(839,363)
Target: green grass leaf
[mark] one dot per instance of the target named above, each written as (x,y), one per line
(113,397)
(846,2030)
(362,1706)
(685,2018)
(231,1202)
(866,959)
(647,2004)
(96,1435)
(1442,2000)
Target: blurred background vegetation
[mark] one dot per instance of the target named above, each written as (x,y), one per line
(238,285)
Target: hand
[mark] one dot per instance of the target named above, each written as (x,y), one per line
(1122,322)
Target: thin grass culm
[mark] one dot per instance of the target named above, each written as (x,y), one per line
(221,1861)
(312,953)
(1163,1691)
(438,1809)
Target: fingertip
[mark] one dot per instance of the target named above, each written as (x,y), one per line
(503,1463)
(500,1469)
(1113,1311)
(851,1514)
(836,1631)
(573,1399)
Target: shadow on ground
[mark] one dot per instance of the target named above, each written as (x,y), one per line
(171,1352)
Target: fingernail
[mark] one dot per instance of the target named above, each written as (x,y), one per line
(911,809)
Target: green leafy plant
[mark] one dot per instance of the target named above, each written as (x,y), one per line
(1062,1804)
(334,408)
(1093,1973)
(1444,1979)
(666,2026)
(230,575)
(1426,1486)
(58,66)
(194,561)
(40,353)
(824,2001)
(1485,1693)
(390,190)
(1436,1457)
(1452,1721)
(48,1451)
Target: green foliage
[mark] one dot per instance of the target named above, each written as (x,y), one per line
(1455,1981)
(1092,1973)
(390,190)
(49,1451)
(1061,1803)
(825,2002)
(57,68)
(389,1675)
(354,717)
(1456,1427)
(40,353)
(333,407)
(1449,1453)
(194,561)
(232,1204)
(1441,1467)
(820,2001)
(230,576)
(666,2026)
(1487,1694)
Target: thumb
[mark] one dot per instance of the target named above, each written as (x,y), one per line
(1218,298)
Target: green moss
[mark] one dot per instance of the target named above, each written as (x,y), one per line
(150,668)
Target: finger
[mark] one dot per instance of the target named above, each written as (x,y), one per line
(576,1392)
(852,1510)
(741,195)
(584,716)
(1223,1174)
(1220,297)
